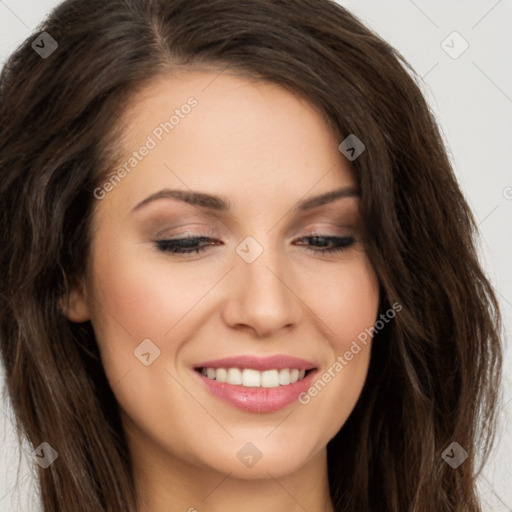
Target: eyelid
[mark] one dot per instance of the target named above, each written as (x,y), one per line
(207,230)
(341,215)
(172,245)
(319,228)
(165,235)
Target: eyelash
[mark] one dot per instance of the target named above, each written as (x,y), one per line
(172,245)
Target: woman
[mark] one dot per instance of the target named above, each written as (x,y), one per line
(237,270)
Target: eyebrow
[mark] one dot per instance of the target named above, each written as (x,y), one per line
(221,204)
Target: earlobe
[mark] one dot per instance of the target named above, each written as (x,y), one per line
(74,305)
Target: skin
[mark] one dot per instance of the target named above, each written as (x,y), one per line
(263,149)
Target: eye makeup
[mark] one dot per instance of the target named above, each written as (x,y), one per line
(317,243)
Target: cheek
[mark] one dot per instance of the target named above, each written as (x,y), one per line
(132,301)
(347,300)
(145,299)
(347,307)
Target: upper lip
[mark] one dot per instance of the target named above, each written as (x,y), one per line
(278,362)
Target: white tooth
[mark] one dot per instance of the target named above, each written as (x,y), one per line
(294,375)
(221,374)
(284,377)
(203,371)
(251,378)
(234,376)
(270,379)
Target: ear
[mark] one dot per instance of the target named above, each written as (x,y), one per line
(74,304)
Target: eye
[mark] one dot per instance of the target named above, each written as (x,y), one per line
(333,243)
(187,245)
(317,243)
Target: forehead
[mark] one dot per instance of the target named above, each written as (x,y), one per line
(225,104)
(228,135)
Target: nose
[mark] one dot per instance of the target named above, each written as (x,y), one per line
(260,296)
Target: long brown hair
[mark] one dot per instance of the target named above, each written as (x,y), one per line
(434,370)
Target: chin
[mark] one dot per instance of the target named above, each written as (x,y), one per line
(256,459)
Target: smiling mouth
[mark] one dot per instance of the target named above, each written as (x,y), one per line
(251,378)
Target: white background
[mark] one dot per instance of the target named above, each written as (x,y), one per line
(472,97)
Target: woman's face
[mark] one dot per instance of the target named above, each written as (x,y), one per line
(260,293)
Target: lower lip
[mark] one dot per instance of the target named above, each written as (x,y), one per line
(258,399)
